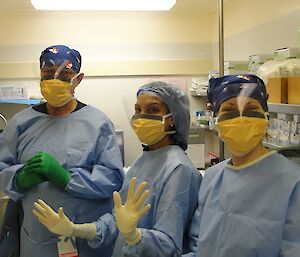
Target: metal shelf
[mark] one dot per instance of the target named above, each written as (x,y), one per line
(24,101)
(284,108)
(195,93)
(278,145)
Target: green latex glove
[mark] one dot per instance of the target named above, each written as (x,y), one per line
(26,180)
(46,165)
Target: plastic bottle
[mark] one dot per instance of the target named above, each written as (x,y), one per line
(209,113)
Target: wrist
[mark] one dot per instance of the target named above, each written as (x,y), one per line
(85,231)
(133,237)
(63,179)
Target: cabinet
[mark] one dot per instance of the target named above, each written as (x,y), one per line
(8,108)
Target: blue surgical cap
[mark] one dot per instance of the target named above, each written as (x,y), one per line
(224,88)
(59,54)
(178,104)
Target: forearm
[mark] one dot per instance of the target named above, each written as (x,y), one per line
(106,232)
(85,231)
(98,184)
(153,243)
(7,182)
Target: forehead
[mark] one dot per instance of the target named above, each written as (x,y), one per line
(235,101)
(148,98)
(53,69)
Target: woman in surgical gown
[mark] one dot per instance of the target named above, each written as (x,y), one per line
(249,205)
(161,122)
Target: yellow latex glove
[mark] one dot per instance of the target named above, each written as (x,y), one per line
(128,215)
(57,223)
(60,224)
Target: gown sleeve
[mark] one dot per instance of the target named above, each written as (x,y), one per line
(291,233)
(106,175)
(9,165)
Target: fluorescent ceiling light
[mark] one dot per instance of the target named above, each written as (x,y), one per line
(103,5)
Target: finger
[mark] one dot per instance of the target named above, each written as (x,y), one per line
(117,200)
(61,212)
(38,154)
(144,210)
(40,216)
(139,191)
(130,192)
(142,199)
(32,166)
(36,171)
(33,160)
(41,210)
(45,206)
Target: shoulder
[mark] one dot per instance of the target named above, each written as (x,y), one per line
(96,116)
(28,115)
(212,171)
(282,165)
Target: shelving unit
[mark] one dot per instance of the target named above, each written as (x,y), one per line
(284,108)
(279,146)
(287,109)
(25,101)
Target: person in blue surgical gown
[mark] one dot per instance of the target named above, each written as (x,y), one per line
(249,205)
(62,151)
(161,122)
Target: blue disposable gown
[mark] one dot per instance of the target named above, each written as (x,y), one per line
(85,144)
(251,211)
(174,183)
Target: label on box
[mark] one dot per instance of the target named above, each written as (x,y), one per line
(67,247)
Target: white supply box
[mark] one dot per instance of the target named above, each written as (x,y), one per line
(235,67)
(13,92)
(282,54)
(258,59)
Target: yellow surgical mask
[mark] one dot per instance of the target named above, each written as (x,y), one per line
(150,129)
(56,92)
(242,134)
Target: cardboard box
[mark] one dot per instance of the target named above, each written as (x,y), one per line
(294,90)
(277,89)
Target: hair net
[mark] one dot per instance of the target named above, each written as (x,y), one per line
(178,104)
(60,54)
(224,88)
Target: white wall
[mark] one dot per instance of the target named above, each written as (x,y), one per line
(114,44)
(257,27)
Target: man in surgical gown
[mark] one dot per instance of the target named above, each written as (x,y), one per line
(161,122)
(62,151)
(249,205)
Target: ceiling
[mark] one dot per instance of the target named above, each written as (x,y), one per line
(181,5)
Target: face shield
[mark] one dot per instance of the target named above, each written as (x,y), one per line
(129,102)
(241,100)
(57,84)
(242,121)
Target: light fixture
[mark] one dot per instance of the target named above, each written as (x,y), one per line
(103,5)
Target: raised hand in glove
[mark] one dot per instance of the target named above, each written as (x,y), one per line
(128,215)
(60,224)
(26,180)
(46,165)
